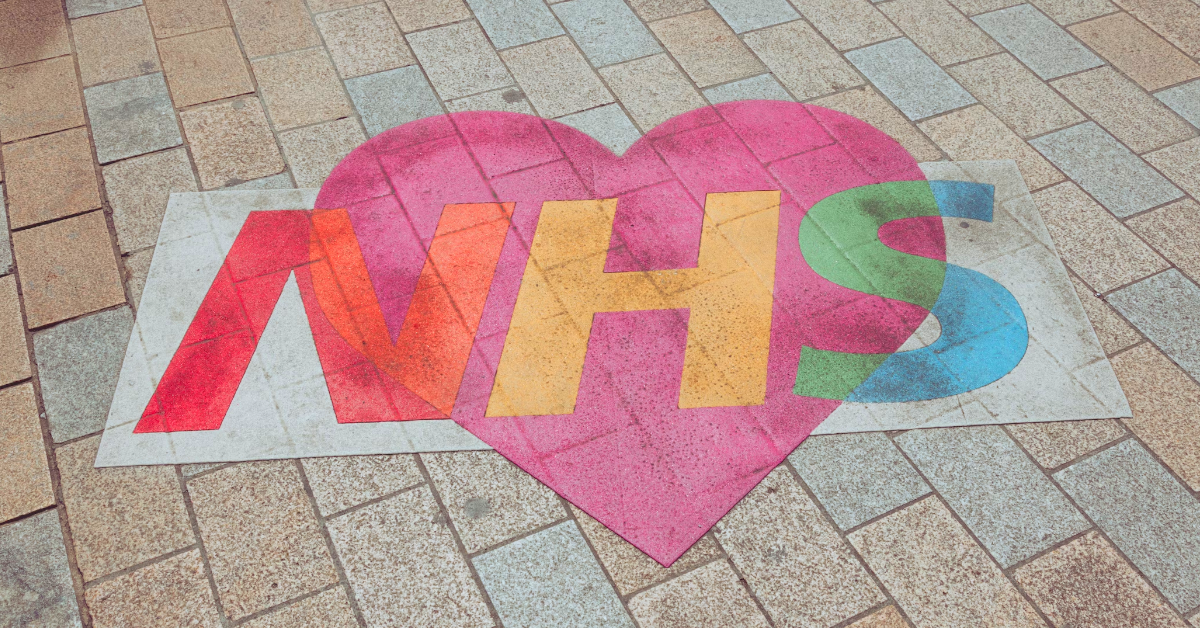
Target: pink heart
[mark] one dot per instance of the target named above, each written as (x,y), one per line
(657,475)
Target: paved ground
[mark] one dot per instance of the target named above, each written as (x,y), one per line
(107,105)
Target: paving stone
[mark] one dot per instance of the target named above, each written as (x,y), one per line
(651,10)
(138,190)
(749,15)
(415,15)
(32,30)
(608,125)
(1091,242)
(909,79)
(1136,51)
(1038,42)
(113,46)
(515,22)
(1107,170)
(1145,512)
(328,609)
(792,558)
(975,7)
(39,98)
(231,142)
(204,66)
(1087,583)
(301,88)
(761,87)
(344,481)
(1014,510)
(1183,100)
(81,8)
(848,23)
(888,617)
(1056,443)
(173,592)
(802,60)
(857,477)
(490,499)
(1165,402)
(606,30)
(67,269)
(550,579)
(171,18)
(459,60)
(709,52)
(1015,95)
(78,365)
(14,354)
(1072,11)
(35,579)
(868,105)
(119,516)
(389,99)
(322,6)
(937,573)
(405,569)
(137,266)
(510,99)
(974,134)
(281,181)
(556,78)
(22,458)
(708,596)
(131,117)
(1178,162)
(1113,332)
(1172,230)
(364,40)
(262,539)
(1165,308)
(652,90)
(6,258)
(1124,109)
(313,151)
(1176,20)
(940,30)
(268,27)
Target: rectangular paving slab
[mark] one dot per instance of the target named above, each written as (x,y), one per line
(607,31)
(1038,42)
(1165,307)
(910,79)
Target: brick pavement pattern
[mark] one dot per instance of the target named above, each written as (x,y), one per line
(108,106)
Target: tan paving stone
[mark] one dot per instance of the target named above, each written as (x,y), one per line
(1165,405)
(204,66)
(975,7)
(1071,11)
(868,105)
(847,23)
(1124,109)
(14,352)
(364,40)
(651,10)
(39,98)
(940,30)
(509,99)
(652,90)
(321,6)
(171,18)
(1056,443)
(67,269)
(1173,231)
(313,151)
(802,60)
(555,77)
(404,566)
(793,559)
(327,609)
(22,455)
(138,190)
(119,516)
(1181,164)
(1113,332)
(1087,583)
(1176,20)
(170,593)
(974,133)
(709,596)
(50,177)
(260,534)
(301,88)
(344,481)
(938,574)
(137,266)
(629,568)
(707,48)
(114,45)
(231,142)
(1015,95)
(415,15)
(459,60)
(32,30)
(268,27)
(887,617)
(1136,51)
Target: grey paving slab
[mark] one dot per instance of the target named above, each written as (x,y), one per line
(80,8)
(909,78)
(608,125)
(1148,514)
(607,31)
(389,99)
(748,15)
(1166,308)
(1183,100)
(35,580)
(514,22)
(1037,41)
(1002,496)
(857,477)
(131,117)
(6,257)
(550,579)
(761,87)
(1100,164)
(78,365)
